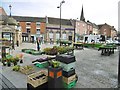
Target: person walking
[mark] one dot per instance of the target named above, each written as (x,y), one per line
(17,43)
(13,47)
(38,45)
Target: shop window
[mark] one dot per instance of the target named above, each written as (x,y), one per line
(28,30)
(51,35)
(64,36)
(57,36)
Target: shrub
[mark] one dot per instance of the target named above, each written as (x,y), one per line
(16,68)
(55,64)
(57,49)
(47,50)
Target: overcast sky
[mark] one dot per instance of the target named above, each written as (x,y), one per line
(96,11)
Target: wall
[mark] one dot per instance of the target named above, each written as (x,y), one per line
(52,30)
(105,30)
(23,26)
(81,27)
(33,28)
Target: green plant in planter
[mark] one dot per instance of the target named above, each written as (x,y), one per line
(54,51)
(9,62)
(15,60)
(16,68)
(47,50)
(55,64)
(28,67)
(58,41)
(61,50)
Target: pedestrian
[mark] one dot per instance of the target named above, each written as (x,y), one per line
(50,40)
(13,47)
(17,43)
(38,45)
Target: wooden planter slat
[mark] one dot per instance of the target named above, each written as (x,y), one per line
(70,79)
(26,71)
(35,82)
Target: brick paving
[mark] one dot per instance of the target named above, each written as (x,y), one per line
(93,70)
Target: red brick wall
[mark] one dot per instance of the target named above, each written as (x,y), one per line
(81,27)
(23,26)
(89,29)
(105,30)
(33,28)
(42,28)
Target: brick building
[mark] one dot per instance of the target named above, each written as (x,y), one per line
(53,29)
(32,27)
(95,29)
(47,28)
(107,30)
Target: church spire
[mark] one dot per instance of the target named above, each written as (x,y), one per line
(82,18)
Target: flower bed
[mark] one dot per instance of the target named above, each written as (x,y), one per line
(9,59)
(108,46)
(92,45)
(58,50)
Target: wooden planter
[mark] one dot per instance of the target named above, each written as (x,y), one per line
(34,81)
(65,58)
(70,85)
(68,67)
(70,79)
(41,87)
(26,71)
(69,73)
(42,65)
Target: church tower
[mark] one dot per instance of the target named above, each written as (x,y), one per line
(82,18)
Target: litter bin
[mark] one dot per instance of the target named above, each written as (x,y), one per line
(55,77)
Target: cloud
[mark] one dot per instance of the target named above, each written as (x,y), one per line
(97,11)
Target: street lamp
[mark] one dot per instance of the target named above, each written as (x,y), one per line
(60,18)
(10,9)
(74,29)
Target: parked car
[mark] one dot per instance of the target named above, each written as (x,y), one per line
(116,42)
(109,41)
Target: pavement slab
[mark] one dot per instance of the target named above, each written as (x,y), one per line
(93,70)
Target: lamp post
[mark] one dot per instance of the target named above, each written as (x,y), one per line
(12,34)
(60,18)
(10,9)
(74,29)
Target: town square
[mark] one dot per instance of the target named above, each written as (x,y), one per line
(57,53)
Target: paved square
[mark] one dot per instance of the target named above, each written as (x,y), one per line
(93,70)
